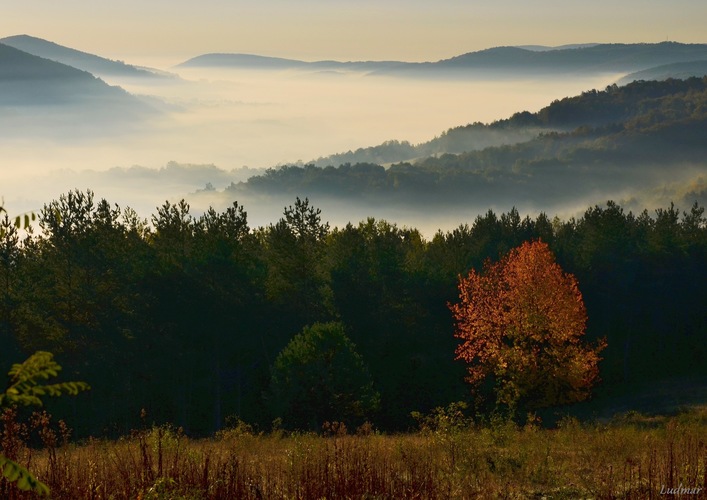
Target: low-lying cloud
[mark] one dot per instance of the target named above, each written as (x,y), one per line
(210,124)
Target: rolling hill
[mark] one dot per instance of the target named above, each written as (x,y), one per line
(98,66)
(606,58)
(241,61)
(250,61)
(676,70)
(591,109)
(498,61)
(42,96)
(646,137)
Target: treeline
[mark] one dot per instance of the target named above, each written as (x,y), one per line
(185,316)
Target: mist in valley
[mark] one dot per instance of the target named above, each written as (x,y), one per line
(207,130)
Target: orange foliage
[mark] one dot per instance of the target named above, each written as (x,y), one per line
(521,322)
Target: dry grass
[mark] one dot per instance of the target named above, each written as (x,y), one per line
(632,457)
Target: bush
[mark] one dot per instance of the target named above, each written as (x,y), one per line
(319,377)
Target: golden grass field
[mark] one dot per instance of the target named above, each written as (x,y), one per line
(632,456)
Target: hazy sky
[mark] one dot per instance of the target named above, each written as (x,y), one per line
(414,30)
(261,120)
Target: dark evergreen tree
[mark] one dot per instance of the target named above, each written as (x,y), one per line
(319,377)
(298,278)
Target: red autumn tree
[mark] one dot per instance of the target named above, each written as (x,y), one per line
(521,323)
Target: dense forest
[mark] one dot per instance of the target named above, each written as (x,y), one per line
(191,318)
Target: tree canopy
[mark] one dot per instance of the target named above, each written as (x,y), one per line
(185,317)
(319,377)
(521,323)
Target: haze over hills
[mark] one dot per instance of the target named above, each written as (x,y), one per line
(676,70)
(219,121)
(591,109)
(595,58)
(542,48)
(29,80)
(250,61)
(535,59)
(242,61)
(641,144)
(517,61)
(98,66)
(40,96)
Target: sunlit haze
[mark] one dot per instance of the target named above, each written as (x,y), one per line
(236,118)
(343,29)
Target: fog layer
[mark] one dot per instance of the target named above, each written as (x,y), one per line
(230,119)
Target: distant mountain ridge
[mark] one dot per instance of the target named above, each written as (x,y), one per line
(541,48)
(251,61)
(500,61)
(98,66)
(679,70)
(595,59)
(582,58)
(242,60)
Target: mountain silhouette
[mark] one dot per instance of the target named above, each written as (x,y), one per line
(680,70)
(241,61)
(39,96)
(508,61)
(98,66)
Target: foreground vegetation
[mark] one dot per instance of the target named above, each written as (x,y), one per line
(122,301)
(186,317)
(632,456)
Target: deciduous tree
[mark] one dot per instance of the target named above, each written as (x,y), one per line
(521,322)
(26,388)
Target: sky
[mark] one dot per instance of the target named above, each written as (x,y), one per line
(171,31)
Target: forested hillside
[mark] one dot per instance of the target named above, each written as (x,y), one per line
(593,58)
(186,317)
(646,141)
(609,126)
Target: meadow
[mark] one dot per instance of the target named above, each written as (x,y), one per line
(450,456)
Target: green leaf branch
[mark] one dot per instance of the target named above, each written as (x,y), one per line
(25,388)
